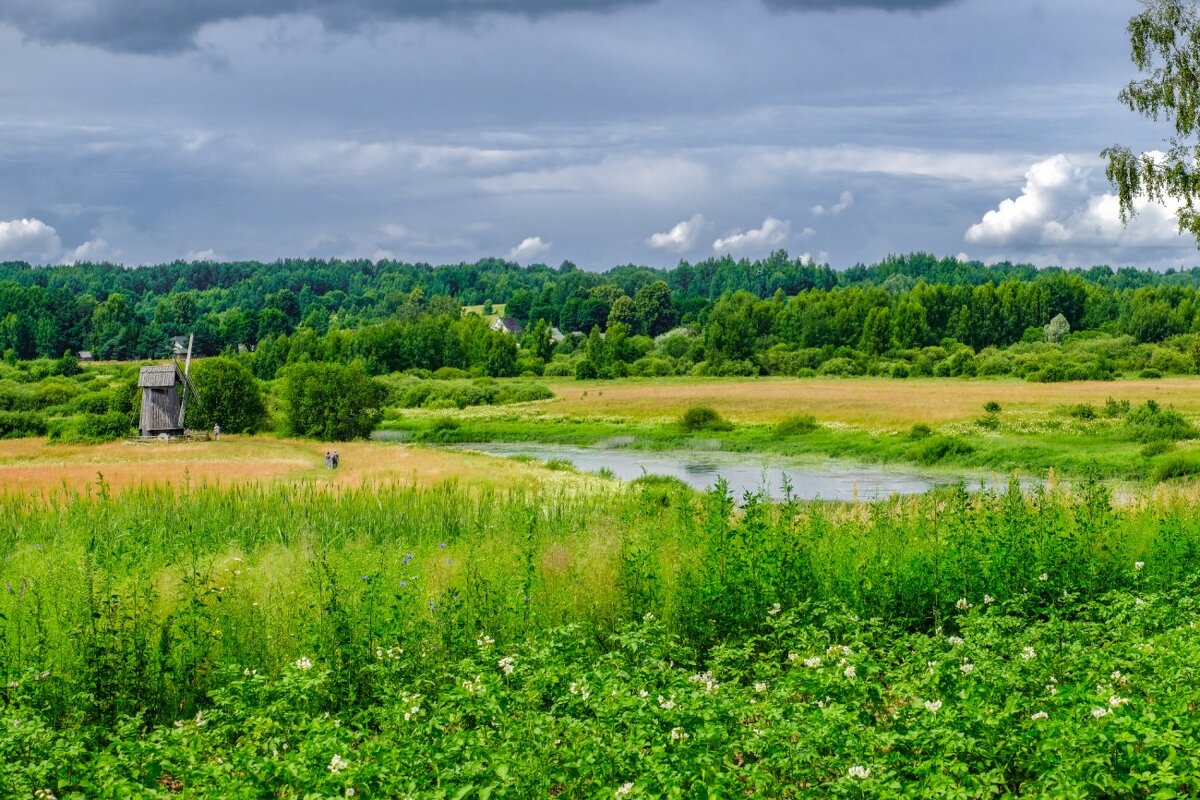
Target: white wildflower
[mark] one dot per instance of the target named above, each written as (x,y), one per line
(988,599)
(1039,715)
(775,609)
(1139,565)
(1028,654)
(678,734)
(624,790)
(1044,576)
(966,668)
(1116,701)
(484,641)
(473,686)
(706,679)
(1119,678)
(666,704)
(793,657)
(760,687)
(200,720)
(643,693)
(850,672)
(1100,712)
(647,617)
(44,794)
(858,771)
(813,662)
(350,792)
(303,663)
(955,641)
(931,665)
(337,764)
(962,604)
(933,706)
(837,650)
(506,665)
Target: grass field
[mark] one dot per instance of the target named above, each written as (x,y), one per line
(869,403)
(32,465)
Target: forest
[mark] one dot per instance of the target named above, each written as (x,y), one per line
(907,315)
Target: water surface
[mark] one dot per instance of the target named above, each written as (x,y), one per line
(810,479)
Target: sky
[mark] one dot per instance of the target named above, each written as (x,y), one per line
(603,132)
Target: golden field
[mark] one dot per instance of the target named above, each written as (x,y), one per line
(861,402)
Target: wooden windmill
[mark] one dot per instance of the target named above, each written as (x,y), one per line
(165,389)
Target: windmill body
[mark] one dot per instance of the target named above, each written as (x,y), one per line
(165,391)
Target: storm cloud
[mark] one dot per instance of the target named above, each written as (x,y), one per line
(171,26)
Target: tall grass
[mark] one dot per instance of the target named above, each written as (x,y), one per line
(149,601)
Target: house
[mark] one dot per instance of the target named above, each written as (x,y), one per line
(85,355)
(556,336)
(507,325)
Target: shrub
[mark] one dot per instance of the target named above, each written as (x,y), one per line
(449,373)
(1150,422)
(991,407)
(559,368)
(1115,408)
(1150,374)
(332,402)
(988,421)
(703,418)
(229,396)
(1157,448)
(1082,411)
(839,367)
(920,431)
(940,448)
(21,424)
(1180,465)
(797,425)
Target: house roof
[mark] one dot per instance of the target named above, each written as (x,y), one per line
(509,324)
(157,377)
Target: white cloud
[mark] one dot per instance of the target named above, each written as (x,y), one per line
(683,237)
(29,240)
(1058,206)
(530,248)
(844,201)
(773,232)
(207,254)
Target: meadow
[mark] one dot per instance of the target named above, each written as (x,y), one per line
(1075,429)
(592,640)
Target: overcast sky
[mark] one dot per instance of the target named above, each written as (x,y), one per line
(600,131)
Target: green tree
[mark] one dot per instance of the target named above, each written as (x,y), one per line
(876,336)
(624,312)
(1165,45)
(332,402)
(229,397)
(653,303)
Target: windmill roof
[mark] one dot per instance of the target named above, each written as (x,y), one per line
(157,377)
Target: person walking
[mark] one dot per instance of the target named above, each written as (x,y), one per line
(217,431)
(335,459)
(328,460)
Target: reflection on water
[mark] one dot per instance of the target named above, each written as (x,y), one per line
(828,480)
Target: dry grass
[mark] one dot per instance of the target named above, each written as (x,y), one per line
(862,402)
(32,465)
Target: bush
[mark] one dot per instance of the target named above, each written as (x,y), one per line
(332,402)
(21,424)
(797,425)
(988,421)
(1157,448)
(559,368)
(1082,411)
(703,418)
(942,447)
(1150,422)
(449,374)
(1115,408)
(229,396)
(840,367)
(1150,374)
(1180,465)
(991,407)
(920,431)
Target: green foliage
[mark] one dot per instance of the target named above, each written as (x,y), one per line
(796,425)
(68,365)
(462,394)
(20,424)
(1150,422)
(942,448)
(991,407)
(332,402)
(703,418)
(229,396)
(1179,465)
